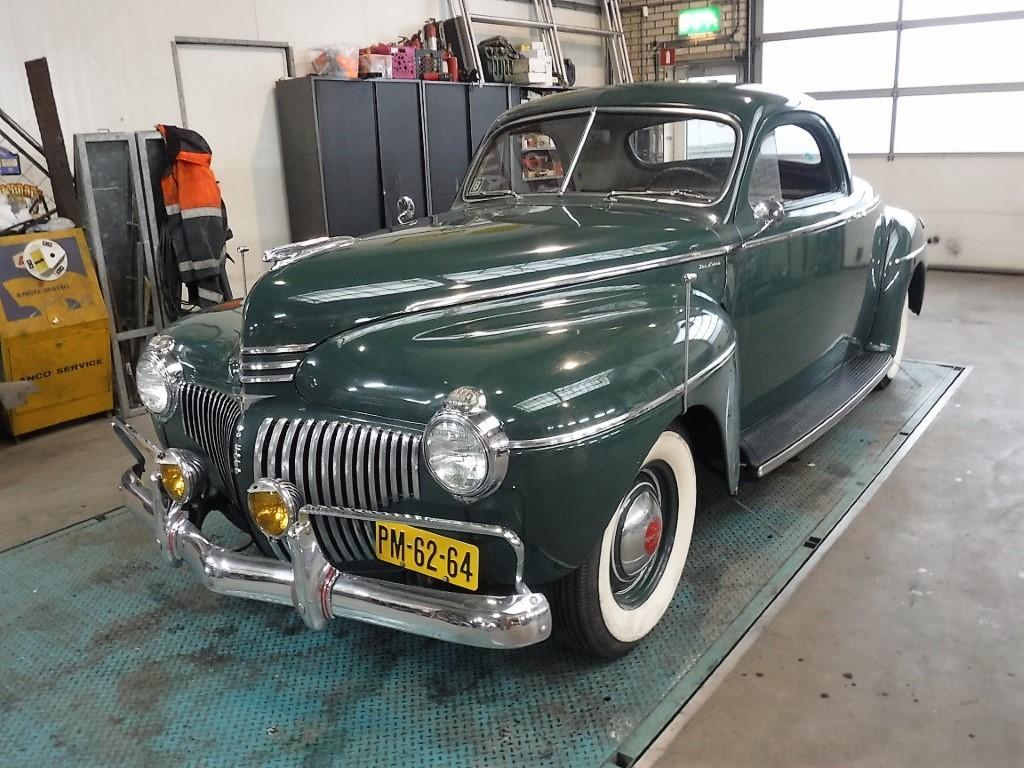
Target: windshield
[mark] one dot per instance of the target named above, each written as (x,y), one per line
(623,153)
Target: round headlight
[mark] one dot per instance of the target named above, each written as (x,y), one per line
(158,376)
(465,447)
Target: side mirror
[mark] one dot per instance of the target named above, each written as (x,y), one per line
(768,212)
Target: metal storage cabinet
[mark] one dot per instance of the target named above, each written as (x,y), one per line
(352,148)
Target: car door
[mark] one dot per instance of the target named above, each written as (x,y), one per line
(801,272)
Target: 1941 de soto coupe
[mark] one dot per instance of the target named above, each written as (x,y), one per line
(484,426)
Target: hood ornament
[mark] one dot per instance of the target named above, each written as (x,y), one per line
(286,254)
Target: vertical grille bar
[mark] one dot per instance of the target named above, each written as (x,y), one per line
(338,463)
(209,418)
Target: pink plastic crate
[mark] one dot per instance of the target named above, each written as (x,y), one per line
(403,63)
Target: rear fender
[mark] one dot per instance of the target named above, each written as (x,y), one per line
(903,265)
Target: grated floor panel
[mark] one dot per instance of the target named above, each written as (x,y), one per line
(110,657)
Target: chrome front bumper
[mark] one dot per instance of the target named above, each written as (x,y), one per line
(316,589)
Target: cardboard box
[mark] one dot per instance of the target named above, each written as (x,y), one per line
(531,65)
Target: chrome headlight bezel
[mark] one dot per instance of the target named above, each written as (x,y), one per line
(467,407)
(160,350)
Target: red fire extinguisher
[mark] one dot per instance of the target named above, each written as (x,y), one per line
(430,40)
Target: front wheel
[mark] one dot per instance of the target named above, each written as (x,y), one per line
(612,601)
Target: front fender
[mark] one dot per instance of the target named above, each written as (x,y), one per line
(904,255)
(584,381)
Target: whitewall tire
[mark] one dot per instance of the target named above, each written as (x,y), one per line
(901,343)
(614,600)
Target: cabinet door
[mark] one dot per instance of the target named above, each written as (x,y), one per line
(447,140)
(485,104)
(347,130)
(401,147)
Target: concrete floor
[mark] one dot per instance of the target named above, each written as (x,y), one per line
(905,646)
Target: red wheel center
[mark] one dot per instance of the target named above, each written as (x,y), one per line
(652,536)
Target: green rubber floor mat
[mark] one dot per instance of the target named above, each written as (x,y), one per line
(108,656)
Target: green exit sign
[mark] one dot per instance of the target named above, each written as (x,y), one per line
(700,21)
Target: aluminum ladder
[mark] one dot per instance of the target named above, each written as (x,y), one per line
(611,31)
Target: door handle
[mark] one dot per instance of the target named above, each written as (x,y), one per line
(406,210)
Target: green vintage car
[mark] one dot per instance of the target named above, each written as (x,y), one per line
(483,426)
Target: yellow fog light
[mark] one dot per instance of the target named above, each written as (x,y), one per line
(181,474)
(173,481)
(273,505)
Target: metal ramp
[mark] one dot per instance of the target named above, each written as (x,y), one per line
(611,31)
(111,657)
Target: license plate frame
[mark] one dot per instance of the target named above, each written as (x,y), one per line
(428,553)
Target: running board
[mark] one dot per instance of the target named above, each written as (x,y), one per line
(778,438)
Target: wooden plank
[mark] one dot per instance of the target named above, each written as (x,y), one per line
(61,181)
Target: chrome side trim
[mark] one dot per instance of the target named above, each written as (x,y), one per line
(818,226)
(256,368)
(561,281)
(786,454)
(277,349)
(267,378)
(273,366)
(636,411)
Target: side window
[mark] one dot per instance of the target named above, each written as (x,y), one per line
(793,164)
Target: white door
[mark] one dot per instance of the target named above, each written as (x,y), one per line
(229,99)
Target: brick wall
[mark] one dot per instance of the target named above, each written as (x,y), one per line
(659,30)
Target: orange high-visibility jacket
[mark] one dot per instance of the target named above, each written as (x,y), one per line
(196,216)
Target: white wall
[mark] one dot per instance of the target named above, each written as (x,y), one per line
(111,64)
(110,60)
(974,204)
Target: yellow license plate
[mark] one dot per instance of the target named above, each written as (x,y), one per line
(429,553)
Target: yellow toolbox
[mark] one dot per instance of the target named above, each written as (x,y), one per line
(53,329)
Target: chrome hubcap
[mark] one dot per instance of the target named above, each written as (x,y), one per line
(639,530)
(642,538)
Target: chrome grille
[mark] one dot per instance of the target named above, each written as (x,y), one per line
(210,418)
(266,365)
(340,464)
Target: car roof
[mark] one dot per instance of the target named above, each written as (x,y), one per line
(749,103)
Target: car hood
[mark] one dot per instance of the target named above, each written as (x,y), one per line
(511,248)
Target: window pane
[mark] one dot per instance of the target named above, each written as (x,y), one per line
(861,124)
(963,122)
(982,54)
(790,163)
(764,174)
(839,63)
(796,145)
(937,9)
(653,153)
(789,15)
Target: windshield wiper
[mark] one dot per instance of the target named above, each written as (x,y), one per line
(493,193)
(687,193)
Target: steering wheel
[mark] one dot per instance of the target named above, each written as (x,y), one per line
(687,169)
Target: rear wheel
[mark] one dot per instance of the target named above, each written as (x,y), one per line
(611,602)
(897,358)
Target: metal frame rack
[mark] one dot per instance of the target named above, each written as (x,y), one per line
(612,32)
